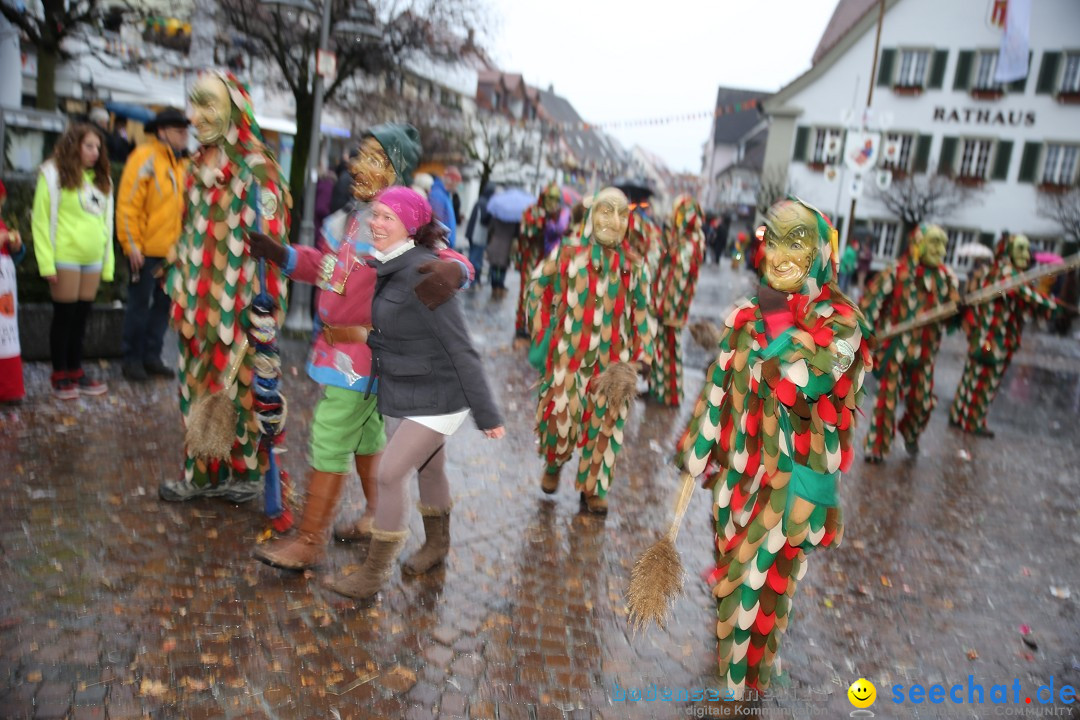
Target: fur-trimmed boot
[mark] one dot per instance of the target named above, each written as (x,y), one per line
(360,528)
(436,542)
(307,548)
(370,578)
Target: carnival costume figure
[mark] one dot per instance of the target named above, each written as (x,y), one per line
(995,329)
(347,427)
(234,186)
(673,290)
(590,320)
(904,364)
(543,227)
(771,433)
(645,237)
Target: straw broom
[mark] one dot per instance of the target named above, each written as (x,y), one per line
(656,580)
(211,426)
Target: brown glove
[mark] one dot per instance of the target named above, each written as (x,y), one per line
(442,279)
(264,246)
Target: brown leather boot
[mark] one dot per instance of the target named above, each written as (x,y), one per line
(549,483)
(360,528)
(436,542)
(307,548)
(595,504)
(370,578)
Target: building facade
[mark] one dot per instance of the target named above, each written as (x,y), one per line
(936,109)
(731,162)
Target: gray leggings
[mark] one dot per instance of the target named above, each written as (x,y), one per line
(412,448)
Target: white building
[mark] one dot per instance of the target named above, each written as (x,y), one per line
(731,164)
(936,103)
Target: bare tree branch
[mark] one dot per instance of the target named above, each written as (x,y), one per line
(286,40)
(916,198)
(1063,209)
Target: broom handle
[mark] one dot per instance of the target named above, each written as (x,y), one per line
(237,361)
(686,491)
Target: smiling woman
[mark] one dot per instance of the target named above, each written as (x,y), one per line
(430,377)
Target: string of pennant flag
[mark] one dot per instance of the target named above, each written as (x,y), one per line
(730,109)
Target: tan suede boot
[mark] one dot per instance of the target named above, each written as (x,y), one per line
(436,542)
(307,548)
(370,578)
(360,528)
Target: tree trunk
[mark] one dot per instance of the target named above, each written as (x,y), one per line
(485,176)
(47,60)
(297,174)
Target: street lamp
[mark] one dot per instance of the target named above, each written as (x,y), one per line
(359,23)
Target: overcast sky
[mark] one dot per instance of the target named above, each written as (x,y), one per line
(615,64)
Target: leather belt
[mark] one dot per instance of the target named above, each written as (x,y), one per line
(344,334)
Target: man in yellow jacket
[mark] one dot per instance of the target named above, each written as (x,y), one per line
(149,213)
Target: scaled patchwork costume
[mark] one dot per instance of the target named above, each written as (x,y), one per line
(673,289)
(995,329)
(529,252)
(590,305)
(233,187)
(904,364)
(771,432)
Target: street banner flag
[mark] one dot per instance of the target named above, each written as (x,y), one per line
(1012,61)
(861,150)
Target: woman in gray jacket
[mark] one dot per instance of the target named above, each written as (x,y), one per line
(430,377)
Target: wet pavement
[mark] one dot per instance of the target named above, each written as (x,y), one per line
(961,561)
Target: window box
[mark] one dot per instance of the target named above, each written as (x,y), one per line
(973,181)
(987,93)
(1054,188)
(816,166)
(1069,98)
(908,90)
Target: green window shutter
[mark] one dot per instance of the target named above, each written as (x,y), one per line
(1029,162)
(986,239)
(802,137)
(1018,86)
(962,80)
(1048,72)
(885,67)
(1001,160)
(948,156)
(937,69)
(922,153)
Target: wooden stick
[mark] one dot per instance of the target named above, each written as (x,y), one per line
(979,297)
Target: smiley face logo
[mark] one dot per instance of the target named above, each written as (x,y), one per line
(862,693)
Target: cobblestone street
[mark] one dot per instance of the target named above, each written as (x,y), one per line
(114,604)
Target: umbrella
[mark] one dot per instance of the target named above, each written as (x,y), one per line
(636,189)
(508,205)
(130,111)
(570,196)
(974,250)
(1048,258)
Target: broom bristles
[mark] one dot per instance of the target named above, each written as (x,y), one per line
(211,427)
(705,334)
(656,581)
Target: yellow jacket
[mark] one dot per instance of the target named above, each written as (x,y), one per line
(150,204)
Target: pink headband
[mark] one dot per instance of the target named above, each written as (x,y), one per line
(411,207)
